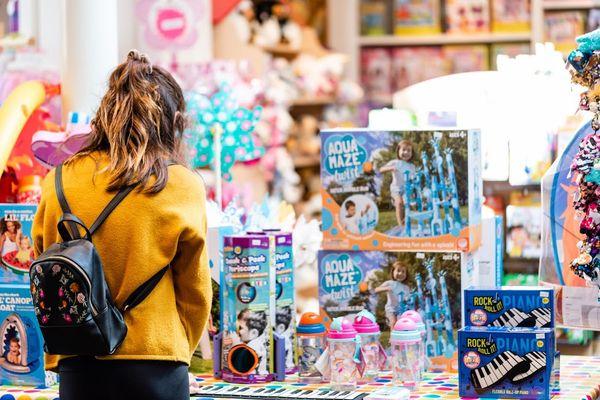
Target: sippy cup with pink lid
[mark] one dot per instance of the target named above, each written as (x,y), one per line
(344,349)
(373,355)
(417,319)
(406,353)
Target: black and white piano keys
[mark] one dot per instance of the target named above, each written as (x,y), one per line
(504,365)
(537,363)
(514,318)
(542,317)
(265,392)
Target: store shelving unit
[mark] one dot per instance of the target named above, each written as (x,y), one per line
(443,39)
(570,4)
(344,31)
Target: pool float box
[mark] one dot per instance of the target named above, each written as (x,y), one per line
(21,347)
(16,243)
(411,190)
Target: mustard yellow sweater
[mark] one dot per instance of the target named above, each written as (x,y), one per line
(142,235)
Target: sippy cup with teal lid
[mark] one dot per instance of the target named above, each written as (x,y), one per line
(344,349)
(373,354)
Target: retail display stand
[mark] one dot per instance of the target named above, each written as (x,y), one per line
(580,372)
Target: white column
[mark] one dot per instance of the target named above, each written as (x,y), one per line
(343,28)
(28,18)
(90,49)
(50,29)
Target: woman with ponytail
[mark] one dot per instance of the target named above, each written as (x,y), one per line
(136,141)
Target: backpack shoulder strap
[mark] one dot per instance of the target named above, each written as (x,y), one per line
(62,200)
(115,201)
(113,204)
(144,290)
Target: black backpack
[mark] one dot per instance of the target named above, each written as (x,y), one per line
(71,299)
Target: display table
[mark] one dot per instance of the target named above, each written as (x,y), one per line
(580,379)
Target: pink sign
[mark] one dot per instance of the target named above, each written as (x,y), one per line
(170,24)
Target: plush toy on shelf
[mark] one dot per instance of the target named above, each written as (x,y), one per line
(585,69)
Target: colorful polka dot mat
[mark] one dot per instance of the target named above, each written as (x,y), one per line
(580,380)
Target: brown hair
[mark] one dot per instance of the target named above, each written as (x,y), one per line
(405,142)
(397,265)
(139,123)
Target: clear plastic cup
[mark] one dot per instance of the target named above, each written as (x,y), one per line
(368,330)
(406,354)
(418,320)
(311,335)
(343,345)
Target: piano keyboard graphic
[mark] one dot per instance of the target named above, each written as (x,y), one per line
(537,362)
(265,392)
(504,365)
(542,317)
(513,318)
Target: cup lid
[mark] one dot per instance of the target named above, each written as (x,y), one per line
(341,328)
(416,318)
(365,322)
(311,323)
(405,329)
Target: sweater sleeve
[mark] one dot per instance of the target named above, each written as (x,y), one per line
(191,273)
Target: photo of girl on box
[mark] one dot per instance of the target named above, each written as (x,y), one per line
(398,167)
(10,237)
(15,248)
(394,288)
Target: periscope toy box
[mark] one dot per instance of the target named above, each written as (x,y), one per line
(507,363)
(510,306)
(285,296)
(417,190)
(390,283)
(21,351)
(246,341)
(16,243)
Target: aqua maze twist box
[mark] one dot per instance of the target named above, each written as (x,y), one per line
(518,363)
(22,345)
(510,306)
(389,283)
(412,190)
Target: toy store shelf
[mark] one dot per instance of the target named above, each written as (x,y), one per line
(304,161)
(312,101)
(381,99)
(282,50)
(570,4)
(441,39)
(491,187)
(521,265)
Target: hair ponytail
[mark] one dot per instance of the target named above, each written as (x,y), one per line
(139,123)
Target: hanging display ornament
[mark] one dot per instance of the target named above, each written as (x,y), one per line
(584,65)
(222,131)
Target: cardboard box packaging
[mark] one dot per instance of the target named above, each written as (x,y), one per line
(417,190)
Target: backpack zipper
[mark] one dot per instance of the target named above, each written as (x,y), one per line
(82,272)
